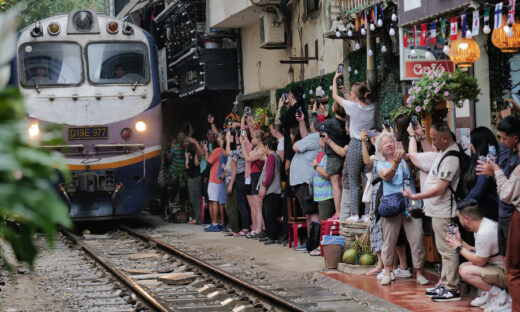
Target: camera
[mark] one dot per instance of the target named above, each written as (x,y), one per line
(386,122)
(322,131)
(415,122)
(501,105)
(371,133)
(299,113)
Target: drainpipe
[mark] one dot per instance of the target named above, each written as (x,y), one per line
(371,63)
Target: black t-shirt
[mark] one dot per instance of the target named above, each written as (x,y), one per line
(288,121)
(193,171)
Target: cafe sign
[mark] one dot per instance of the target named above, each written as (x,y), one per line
(415,69)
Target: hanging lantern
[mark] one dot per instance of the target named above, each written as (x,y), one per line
(464,52)
(503,39)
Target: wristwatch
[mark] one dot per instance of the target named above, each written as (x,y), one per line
(458,249)
(412,136)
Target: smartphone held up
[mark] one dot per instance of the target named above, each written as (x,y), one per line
(339,81)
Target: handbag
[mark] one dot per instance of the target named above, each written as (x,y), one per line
(391,205)
(368,189)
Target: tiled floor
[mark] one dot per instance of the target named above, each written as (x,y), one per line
(403,292)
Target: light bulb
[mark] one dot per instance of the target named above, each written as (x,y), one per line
(330,88)
(349,69)
(349,33)
(391,32)
(463,45)
(370,52)
(363,31)
(383,49)
(469,34)
(356,72)
(413,53)
(379,23)
(338,34)
(486,29)
(394,17)
(446,50)
(428,55)
(372,27)
(508,30)
(310,91)
(357,47)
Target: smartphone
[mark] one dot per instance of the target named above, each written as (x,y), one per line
(247,110)
(492,153)
(452,229)
(501,105)
(318,101)
(285,96)
(322,131)
(482,158)
(243,133)
(299,111)
(386,122)
(415,122)
(371,133)
(340,68)
(399,145)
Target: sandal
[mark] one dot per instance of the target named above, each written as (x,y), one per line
(230,234)
(374,271)
(315,253)
(242,233)
(193,222)
(334,217)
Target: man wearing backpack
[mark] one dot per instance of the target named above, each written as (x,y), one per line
(440,205)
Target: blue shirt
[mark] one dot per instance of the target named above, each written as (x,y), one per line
(221,165)
(507,161)
(396,184)
(485,193)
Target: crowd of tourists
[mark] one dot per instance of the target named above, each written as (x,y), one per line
(340,166)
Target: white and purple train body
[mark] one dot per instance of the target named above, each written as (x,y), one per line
(96,76)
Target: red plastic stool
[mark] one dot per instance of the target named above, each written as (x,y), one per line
(328,228)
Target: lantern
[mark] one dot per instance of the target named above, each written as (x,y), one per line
(501,40)
(464,52)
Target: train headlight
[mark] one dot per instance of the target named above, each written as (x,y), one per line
(53,29)
(83,20)
(34,131)
(126,133)
(140,126)
(113,27)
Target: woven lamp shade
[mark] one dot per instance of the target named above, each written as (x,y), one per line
(464,52)
(505,43)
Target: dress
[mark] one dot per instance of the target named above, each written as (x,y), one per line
(376,232)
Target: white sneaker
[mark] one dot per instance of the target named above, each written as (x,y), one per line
(353,219)
(477,302)
(505,308)
(382,274)
(502,297)
(365,219)
(402,273)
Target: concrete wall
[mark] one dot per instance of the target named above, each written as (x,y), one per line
(220,10)
(262,69)
(481,72)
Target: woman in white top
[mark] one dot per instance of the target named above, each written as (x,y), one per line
(362,116)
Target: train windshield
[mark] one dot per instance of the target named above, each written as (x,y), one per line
(118,62)
(50,63)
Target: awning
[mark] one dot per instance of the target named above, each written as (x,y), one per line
(135,6)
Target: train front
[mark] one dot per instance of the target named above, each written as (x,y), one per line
(96,76)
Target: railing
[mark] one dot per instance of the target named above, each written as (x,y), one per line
(356,6)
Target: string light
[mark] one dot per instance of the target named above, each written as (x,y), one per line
(349,32)
(394,17)
(383,48)
(357,46)
(413,53)
(391,32)
(372,27)
(370,52)
(446,49)
(379,23)
(363,31)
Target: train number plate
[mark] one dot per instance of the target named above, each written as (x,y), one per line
(88,133)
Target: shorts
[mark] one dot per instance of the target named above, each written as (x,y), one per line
(247,182)
(334,165)
(493,275)
(303,192)
(255,177)
(213,191)
(326,209)
(222,193)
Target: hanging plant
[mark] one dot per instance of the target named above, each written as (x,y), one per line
(436,87)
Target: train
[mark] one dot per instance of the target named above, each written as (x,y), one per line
(97,77)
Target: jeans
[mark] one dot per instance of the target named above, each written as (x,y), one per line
(195,193)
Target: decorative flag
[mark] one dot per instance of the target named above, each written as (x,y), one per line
(381,13)
(463,22)
(405,37)
(511,13)
(415,35)
(356,21)
(424,30)
(486,15)
(453,28)
(444,33)
(476,23)
(433,32)
(366,20)
(374,15)
(498,15)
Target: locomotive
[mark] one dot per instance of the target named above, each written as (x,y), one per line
(97,77)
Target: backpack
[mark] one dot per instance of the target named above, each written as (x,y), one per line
(464,160)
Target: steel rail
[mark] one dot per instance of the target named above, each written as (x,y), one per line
(262,293)
(119,274)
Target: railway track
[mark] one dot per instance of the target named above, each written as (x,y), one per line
(165,278)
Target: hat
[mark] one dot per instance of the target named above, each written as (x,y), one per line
(321,118)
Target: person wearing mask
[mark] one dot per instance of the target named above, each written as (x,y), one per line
(194,184)
(334,128)
(440,206)
(485,267)
(302,173)
(393,170)
(362,114)
(270,190)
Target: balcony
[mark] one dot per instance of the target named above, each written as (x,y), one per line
(356,6)
(234,14)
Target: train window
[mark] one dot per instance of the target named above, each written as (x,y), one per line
(118,63)
(50,63)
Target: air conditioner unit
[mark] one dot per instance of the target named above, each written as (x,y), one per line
(272,32)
